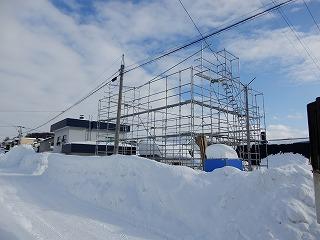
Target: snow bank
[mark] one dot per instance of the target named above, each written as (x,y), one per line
(284,159)
(218,151)
(15,155)
(187,204)
(181,203)
(24,159)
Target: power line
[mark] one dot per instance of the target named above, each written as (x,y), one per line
(187,41)
(27,111)
(314,20)
(104,84)
(175,65)
(164,55)
(195,25)
(100,86)
(307,50)
(285,33)
(277,6)
(13,126)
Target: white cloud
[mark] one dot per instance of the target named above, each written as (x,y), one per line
(280,46)
(50,59)
(295,116)
(280,131)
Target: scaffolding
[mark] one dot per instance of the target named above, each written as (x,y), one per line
(166,114)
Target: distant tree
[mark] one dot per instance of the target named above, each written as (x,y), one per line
(4,140)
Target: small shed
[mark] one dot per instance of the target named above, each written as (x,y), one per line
(46,144)
(221,155)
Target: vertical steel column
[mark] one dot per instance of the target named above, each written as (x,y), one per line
(248,127)
(132,123)
(265,129)
(98,129)
(180,97)
(166,121)
(192,116)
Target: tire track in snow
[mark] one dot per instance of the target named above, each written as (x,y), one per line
(24,214)
(48,222)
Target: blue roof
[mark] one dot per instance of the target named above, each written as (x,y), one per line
(71,122)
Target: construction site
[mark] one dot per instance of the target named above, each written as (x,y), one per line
(172,115)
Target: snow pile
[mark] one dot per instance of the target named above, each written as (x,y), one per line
(14,157)
(24,159)
(284,159)
(180,203)
(218,151)
(184,203)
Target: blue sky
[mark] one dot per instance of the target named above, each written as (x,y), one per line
(55,52)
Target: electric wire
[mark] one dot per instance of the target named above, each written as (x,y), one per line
(277,6)
(287,37)
(27,111)
(172,67)
(307,50)
(100,86)
(313,18)
(194,38)
(106,82)
(194,24)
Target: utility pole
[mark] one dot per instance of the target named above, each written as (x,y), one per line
(19,134)
(117,133)
(246,94)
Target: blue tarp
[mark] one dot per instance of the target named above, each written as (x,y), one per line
(211,164)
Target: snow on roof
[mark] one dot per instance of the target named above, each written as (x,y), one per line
(100,143)
(217,151)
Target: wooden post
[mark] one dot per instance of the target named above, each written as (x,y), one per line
(201,141)
(313,110)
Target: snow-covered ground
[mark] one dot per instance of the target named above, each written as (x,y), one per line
(54,196)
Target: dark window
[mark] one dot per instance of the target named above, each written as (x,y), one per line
(58,141)
(64,139)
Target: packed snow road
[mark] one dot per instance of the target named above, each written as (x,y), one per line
(32,208)
(54,196)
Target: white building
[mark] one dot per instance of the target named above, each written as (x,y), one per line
(74,136)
